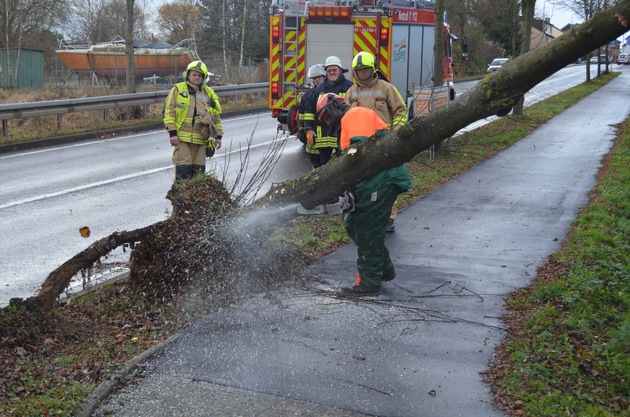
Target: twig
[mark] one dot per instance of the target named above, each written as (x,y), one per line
(356,383)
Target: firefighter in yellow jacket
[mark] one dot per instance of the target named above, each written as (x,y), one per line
(192,119)
(370,91)
(374,93)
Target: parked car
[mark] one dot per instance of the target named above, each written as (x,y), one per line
(598,59)
(496,64)
(623,59)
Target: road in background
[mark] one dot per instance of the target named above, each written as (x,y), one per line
(120,183)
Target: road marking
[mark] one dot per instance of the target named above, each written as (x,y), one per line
(116,138)
(117,179)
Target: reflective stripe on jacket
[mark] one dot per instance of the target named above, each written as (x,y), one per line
(383,98)
(325,138)
(186,110)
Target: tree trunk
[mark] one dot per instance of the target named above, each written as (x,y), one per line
(130,74)
(527,7)
(438,45)
(243,33)
(495,94)
(224,36)
(58,280)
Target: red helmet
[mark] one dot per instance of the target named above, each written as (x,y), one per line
(330,109)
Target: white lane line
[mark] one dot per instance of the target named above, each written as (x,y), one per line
(99,141)
(112,180)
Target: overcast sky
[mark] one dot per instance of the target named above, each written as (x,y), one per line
(558,16)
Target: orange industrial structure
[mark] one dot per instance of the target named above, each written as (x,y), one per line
(108,59)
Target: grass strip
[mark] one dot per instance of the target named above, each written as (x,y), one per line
(568,349)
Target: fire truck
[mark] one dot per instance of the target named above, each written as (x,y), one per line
(400,35)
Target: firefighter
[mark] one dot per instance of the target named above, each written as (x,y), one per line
(321,135)
(367,204)
(316,74)
(192,119)
(375,93)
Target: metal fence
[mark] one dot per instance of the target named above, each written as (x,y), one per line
(61,107)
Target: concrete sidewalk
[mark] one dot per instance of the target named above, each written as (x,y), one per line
(418,348)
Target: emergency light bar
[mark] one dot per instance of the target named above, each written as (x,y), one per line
(336,13)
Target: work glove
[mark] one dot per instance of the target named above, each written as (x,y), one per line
(212,145)
(310,137)
(302,135)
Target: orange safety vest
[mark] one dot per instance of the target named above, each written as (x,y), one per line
(359,121)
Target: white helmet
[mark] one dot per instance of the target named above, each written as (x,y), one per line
(333,60)
(316,70)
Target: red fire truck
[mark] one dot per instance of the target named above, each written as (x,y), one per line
(304,33)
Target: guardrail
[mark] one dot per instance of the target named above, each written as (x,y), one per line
(61,107)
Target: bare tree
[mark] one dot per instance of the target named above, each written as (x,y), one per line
(501,21)
(585,9)
(179,20)
(438,45)
(19,18)
(96,21)
(243,29)
(527,9)
(130,70)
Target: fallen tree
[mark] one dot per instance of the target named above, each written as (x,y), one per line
(495,94)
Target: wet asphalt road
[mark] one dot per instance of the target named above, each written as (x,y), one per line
(417,349)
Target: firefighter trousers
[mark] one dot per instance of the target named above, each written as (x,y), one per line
(367,227)
(189,159)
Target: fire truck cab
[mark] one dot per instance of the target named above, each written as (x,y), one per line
(400,35)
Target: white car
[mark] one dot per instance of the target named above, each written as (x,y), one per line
(496,64)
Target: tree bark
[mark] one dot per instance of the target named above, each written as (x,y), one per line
(527,7)
(130,74)
(438,45)
(224,35)
(58,280)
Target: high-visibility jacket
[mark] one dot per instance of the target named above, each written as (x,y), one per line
(383,98)
(306,98)
(187,109)
(373,199)
(325,138)
(358,125)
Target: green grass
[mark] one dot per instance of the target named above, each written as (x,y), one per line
(570,352)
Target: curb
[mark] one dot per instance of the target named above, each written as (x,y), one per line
(105,388)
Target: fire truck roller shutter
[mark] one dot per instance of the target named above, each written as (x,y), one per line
(324,40)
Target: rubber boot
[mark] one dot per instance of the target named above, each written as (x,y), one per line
(183,172)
